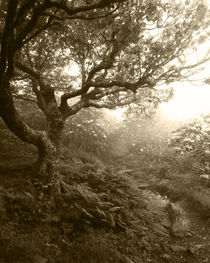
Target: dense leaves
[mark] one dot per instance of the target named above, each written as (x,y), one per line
(85,132)
(194,139)
(138,46)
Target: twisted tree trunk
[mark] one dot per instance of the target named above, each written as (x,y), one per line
(48,163)
(48,142)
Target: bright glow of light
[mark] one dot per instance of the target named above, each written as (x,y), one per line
(71,70)
(117,113)
(188,102)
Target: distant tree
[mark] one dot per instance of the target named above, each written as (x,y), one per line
(85,131)
(123,50)
(143,135)
(194,138)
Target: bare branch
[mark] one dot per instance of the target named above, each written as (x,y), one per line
(36,33)
(109,59)
(177,74)
(27,70)
(72,11)
(36,81)
(56,17)
(40,99)
(75,108)
(106,105)
(141,82)
(22,11)
(29,27)
(204,60)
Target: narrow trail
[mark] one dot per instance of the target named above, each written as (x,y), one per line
(195,239)
(199,240)
(192,240)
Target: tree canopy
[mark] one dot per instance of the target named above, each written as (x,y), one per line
(123,49)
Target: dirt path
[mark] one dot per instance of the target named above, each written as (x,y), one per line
(199,241)
(195,240)
(191,246)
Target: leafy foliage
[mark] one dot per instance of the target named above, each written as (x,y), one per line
(98,216)
(143,135)
(133,47)
(85,132)
(194,139)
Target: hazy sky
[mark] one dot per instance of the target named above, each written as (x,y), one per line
(191,99)
(188,101)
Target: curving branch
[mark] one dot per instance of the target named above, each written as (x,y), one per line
(40,99)
(80,17)
(35,78)
(171,73)
(107,105)
(72,11)
(75,108)
(28,70)
(22,11)
(40,30)
(107,63)
(141,82)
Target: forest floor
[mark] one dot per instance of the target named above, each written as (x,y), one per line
(191,233)
(106,213)
(189,196)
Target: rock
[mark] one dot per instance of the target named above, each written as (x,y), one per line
(77,161)
(177,248)
(110,220)
(124,171)
(205,176)
(161,230)
(143,228)
(178,231)
(166,248)
(166,223)
(189,234)
(146,244)
(166,257)
(205,260)
(143,186)
(178,220)
(115,209)
(86,214)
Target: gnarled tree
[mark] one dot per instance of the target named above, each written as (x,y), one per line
(123,50)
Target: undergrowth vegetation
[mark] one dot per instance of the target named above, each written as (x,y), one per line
(119,198)
(173,159)
(98,217)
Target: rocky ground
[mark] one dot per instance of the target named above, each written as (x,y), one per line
(181,203)
(106,213)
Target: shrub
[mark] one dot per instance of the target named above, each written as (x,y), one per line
(84,132)
(192,141)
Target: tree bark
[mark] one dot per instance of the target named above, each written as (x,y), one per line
(47,167)
(48,142)
(12,118)
(48,163)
